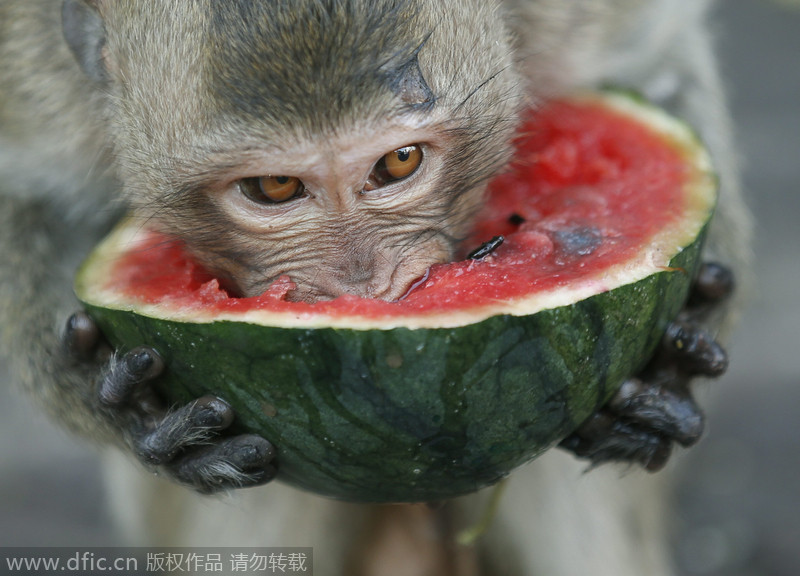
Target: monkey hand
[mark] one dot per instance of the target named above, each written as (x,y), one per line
(655,409)
(186,442)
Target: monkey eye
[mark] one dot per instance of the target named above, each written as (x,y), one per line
(394,166)
(271,189)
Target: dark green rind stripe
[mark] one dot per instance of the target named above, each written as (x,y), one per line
(415,415)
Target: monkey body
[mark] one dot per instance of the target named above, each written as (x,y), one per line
(185,112)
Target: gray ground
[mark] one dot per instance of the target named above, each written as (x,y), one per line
(738,504)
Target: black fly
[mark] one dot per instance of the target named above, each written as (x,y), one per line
(485,249)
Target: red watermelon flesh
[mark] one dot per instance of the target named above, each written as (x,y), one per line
(588,188)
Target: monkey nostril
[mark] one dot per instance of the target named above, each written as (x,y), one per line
(358,273)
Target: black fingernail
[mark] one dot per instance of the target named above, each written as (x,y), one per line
(714,283)
(81,336)
(213,412)
(255,450)
(144,362)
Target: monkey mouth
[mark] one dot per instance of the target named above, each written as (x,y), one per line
(395,288)
(414,285)
(312,293)
(390,277)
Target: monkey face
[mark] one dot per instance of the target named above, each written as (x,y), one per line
(363,213)
(345,144)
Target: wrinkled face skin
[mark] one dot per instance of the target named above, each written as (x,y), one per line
(349,224)
(344,144)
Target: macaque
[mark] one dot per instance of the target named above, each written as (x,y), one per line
(346,143)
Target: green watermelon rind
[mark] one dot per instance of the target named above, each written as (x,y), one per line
(413,413)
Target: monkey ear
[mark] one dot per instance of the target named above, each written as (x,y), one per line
(86,36)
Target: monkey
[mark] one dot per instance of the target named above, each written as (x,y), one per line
(347,144)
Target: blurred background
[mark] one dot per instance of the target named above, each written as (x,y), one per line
(737,505)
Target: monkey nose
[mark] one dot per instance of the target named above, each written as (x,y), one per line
(367,284)
(357,273)
(363,279)
(376,274)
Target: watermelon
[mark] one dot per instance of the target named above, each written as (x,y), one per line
(487,361)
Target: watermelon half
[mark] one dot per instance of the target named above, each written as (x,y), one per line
(484,364)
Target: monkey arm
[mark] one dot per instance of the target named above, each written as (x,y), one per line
(34,289)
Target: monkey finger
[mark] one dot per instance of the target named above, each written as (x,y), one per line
(693,350)
(605,438)
(236,462)
(126,373)
(714,283)
(669,411)
(189,425)
(82,337)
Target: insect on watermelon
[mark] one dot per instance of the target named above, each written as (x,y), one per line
(485,363)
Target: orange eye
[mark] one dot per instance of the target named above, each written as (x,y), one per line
(272,189)
(395,165)
(402,162)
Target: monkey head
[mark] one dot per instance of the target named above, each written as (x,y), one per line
(344,143)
